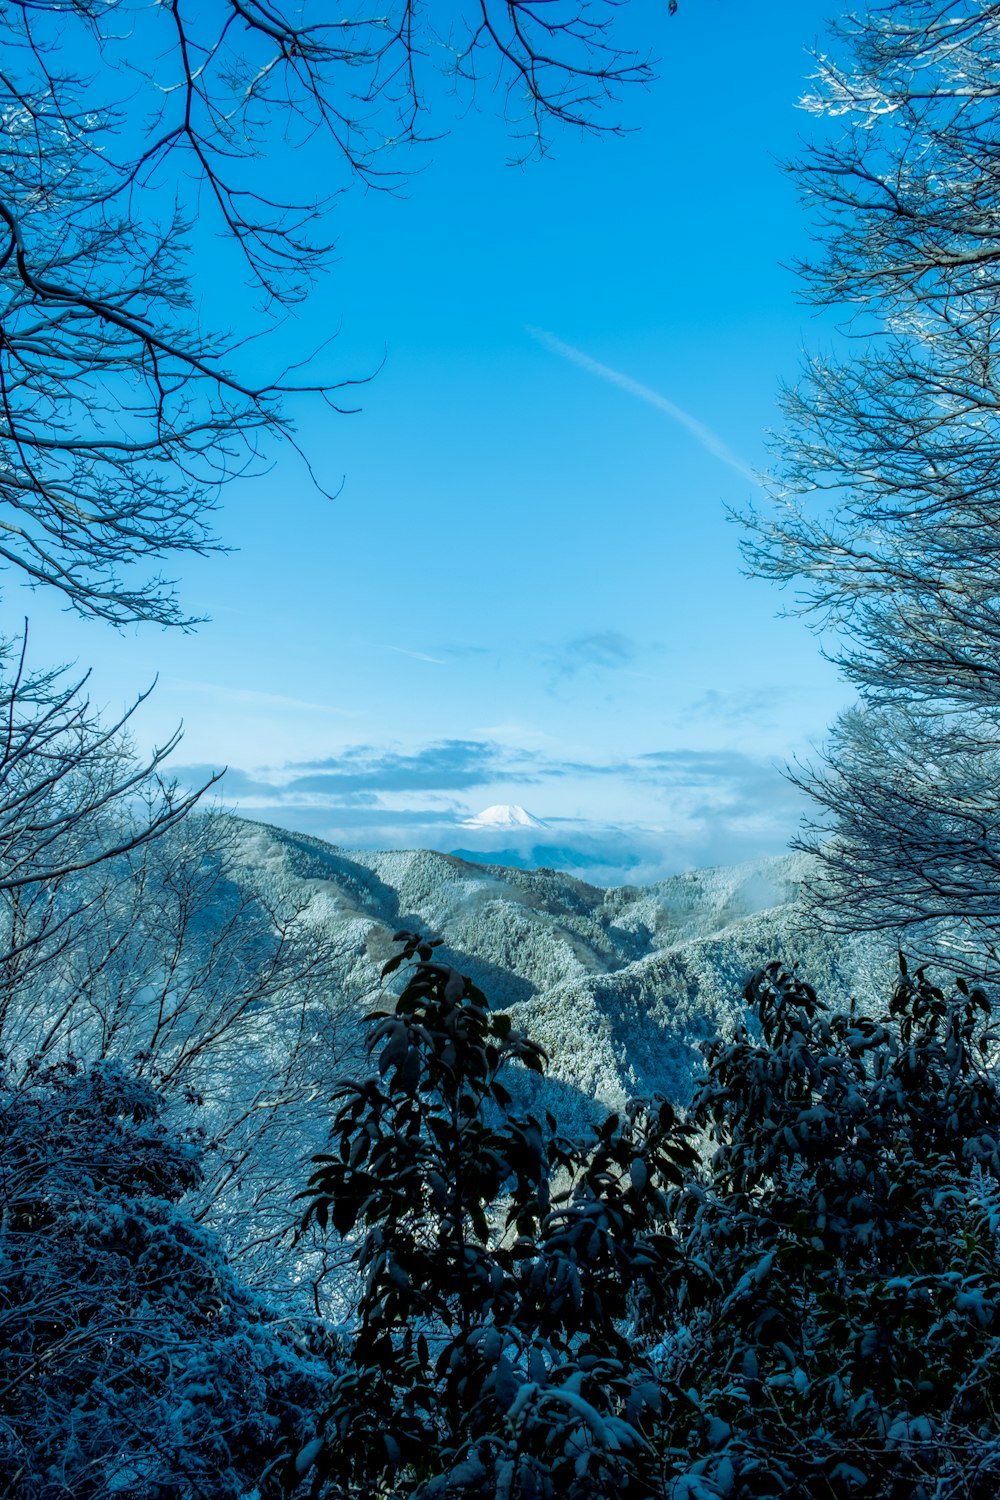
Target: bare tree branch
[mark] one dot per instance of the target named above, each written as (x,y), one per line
(132,130)
(885,514)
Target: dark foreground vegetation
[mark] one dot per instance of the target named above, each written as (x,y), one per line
(791,1289)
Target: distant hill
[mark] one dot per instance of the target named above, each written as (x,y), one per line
(535,857)
(619,984)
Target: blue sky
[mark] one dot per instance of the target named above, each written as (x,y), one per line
(526,589)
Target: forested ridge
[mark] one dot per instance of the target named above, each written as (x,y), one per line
(353,1174)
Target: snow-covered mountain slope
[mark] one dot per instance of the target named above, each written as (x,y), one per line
(504,815)
(620,985)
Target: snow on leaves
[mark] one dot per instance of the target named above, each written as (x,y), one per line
(806,1305)
(134,1362)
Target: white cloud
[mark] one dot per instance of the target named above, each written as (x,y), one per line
(650,814)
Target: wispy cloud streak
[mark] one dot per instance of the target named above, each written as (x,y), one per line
(709,440)
(416,655)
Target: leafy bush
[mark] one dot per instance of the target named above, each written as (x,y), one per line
(808,1305)
(849,1344)
(513,1279)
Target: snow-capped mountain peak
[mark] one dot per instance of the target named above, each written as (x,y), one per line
(503,815)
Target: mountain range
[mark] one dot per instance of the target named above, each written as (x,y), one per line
(620,985)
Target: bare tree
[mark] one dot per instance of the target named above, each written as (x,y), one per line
(886,514)
(211,978)
(907,837)
(137,934)
(73,797)
(133,129)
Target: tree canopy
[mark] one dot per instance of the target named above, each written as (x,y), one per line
(887,510)
(134,131)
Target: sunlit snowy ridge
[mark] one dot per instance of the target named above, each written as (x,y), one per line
(620,985)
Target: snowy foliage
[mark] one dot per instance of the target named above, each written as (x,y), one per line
(794,1290)
(135,1363)
(208,979)
(840,1303)
(513,1280)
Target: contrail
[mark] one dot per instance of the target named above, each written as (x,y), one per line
(702,434)
(417,655)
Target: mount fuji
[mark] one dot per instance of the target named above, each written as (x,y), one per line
(504,815)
